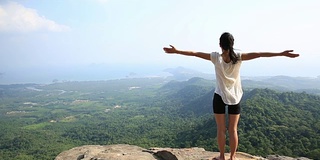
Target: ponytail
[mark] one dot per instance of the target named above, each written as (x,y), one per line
(226,43)
(233,56)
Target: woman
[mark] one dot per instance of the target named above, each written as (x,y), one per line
(228,90)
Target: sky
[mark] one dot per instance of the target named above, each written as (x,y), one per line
(48,40)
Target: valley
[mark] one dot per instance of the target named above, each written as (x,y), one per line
(39,121)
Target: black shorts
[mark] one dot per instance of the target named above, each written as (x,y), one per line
(219,107)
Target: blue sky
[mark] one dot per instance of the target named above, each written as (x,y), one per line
(59,39)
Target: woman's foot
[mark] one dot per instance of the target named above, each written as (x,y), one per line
(233,158)
(218,158)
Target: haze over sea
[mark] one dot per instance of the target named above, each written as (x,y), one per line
(104,72)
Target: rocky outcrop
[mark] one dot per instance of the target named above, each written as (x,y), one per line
(277,157)
(109,152)
(131,152)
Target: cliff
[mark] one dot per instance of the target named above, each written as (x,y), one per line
(131,152)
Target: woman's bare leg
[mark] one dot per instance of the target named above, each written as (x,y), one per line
(221,133)
(233,134)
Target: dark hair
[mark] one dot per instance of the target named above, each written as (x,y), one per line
(226,43)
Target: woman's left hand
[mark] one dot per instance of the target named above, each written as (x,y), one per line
(288,53)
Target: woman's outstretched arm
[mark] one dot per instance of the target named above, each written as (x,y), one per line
(253,55)
(172,50)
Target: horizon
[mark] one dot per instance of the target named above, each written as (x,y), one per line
(93,73)
(101,39)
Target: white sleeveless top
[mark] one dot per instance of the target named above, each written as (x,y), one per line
(228,82)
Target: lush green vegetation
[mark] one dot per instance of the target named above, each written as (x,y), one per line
(40,121)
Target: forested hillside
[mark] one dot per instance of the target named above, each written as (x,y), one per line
(40,121)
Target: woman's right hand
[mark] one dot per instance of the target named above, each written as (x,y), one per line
(170,49)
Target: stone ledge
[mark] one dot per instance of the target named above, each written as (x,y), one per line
(132,152)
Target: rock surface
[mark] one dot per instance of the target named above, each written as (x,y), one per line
(109,152)
(131,152)
(277,157)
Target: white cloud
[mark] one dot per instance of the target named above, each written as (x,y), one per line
(17,18)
